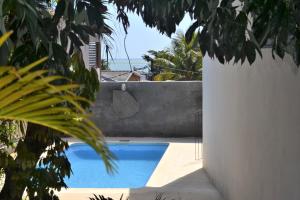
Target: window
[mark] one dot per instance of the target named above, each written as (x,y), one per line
(94,54)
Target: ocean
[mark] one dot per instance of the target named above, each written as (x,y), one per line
(123,64)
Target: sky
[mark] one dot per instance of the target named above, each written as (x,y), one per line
(140,38)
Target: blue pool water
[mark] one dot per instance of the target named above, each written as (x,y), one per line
(135,163)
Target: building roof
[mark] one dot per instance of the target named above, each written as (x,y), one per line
(117,76)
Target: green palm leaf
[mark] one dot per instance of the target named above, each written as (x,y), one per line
(27,95)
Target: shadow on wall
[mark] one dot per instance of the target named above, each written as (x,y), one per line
(149,109)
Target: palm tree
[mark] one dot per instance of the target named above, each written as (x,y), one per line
(183,61)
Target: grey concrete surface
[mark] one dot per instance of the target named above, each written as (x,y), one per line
(149,109)
(251,129)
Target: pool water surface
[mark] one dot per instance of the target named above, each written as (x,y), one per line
(135,164)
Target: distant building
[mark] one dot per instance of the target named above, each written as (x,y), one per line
(120,76)
(92,58)
(92,53)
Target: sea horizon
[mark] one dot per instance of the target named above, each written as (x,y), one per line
(123,64)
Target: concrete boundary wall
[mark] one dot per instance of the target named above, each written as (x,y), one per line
(251,129)
(149,109)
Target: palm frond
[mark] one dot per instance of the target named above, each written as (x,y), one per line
(165,76)
(26,95)
(4,37)
(164,63)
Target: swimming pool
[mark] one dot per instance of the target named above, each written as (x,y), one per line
(135,164)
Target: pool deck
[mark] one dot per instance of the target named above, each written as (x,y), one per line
(178,176)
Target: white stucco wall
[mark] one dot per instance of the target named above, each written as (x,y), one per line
(85,51)
(251,128)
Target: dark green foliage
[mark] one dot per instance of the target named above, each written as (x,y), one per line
(39,175)
(48,177)
(7,133)
(59,34)
(104,65)
(230,29)
(81,74)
